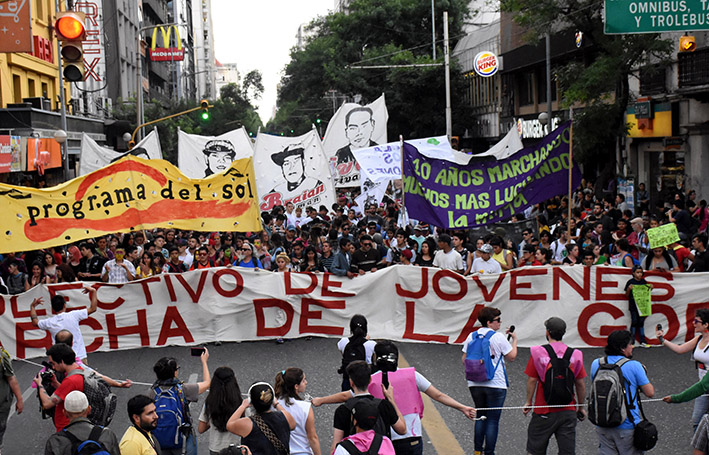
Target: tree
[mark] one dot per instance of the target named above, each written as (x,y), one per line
(599,80)
(381,32)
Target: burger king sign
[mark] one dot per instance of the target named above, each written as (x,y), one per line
(485,64)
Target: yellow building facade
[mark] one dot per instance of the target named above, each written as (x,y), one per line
(23,75)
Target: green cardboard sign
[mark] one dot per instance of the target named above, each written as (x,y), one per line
(641,295)
(663,235)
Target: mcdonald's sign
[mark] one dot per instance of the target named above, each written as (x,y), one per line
(166,53)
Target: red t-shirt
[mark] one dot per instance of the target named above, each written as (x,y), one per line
(537,366)
(681,253)
(69,384)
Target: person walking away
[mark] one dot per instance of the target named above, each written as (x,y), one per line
(223,400)
(365,440)
(554,372)
(357,347)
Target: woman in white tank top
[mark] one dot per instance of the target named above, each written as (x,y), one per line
(290,390)
(699,346)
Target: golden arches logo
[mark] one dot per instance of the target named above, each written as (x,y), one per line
(166,53)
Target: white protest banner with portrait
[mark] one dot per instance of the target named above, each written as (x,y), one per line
(351,128)
(201,156)
(95,156)
(292,169)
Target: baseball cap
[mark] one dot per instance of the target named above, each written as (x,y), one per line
(486,249)
(76,402)
(290,227)
(365,413)
(554,324)
(407,254)
(636,220)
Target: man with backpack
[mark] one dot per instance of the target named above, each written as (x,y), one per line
(81,436)
(365,440)
(614,402)
(555,371)
(62,360)
(172,398)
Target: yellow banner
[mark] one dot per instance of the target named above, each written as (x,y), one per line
(125,196)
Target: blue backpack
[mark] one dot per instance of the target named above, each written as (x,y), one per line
(478,361)
(172,419)
(90,446)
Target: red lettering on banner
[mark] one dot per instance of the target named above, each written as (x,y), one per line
(181,330)
(689,318)
(306,314)
(95,325)
(2,305)
(261,329)
(218,285)
(109,305)
(462,285)
(515,286)
(488,296)
(415,294)
(200,286)
(64,287)
(170,287)
(470,325)
(559,274)
(291,290)
(600,284)
(141,328)
(328,283)
(17,314)
(146,289)
(672,322)
(410,324)
(21,343)
(670,290)
(604,330)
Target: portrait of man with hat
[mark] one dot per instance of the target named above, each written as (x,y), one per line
(218,156)
(292,163)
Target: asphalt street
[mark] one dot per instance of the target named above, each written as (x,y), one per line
(319,358)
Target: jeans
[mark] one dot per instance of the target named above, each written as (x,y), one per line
(616,441)
(408,446)
(486,430)
(190,447)
(701,407)
(561,425)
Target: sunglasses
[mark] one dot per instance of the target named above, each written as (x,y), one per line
(497,320)
(698,321)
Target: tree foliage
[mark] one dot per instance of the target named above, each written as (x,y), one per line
(600,79)
(374,32)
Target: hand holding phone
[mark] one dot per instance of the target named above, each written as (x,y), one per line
(196,352)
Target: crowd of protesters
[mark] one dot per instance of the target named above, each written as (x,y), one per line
(347,241)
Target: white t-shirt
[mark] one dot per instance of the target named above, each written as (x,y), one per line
(299,443)
(482,266)
(558,249)
(448,261)
(187,259)
(218,440)
(67,321)
(368,348)
(413,421)
(498,346)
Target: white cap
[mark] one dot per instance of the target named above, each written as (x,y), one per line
(76,402)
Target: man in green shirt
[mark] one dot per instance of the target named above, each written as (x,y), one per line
(8,387)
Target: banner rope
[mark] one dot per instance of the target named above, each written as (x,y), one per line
(506,408)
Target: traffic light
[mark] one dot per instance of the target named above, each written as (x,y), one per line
(71,32)
(205,109)
(687,44)
(455,142)
(318,121)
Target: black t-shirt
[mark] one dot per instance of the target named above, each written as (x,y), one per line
(343,415)
(634,282)
(684,224)
(92,266)
(257,442)
(701,262)
(366,260)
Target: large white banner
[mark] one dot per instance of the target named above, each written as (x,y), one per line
(95,156)
(201,156)
(403,303)
(351,128)
(292,169)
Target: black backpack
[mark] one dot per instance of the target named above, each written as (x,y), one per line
(380,427)
(373,447)
(354,350)
(90,446)
(559,380)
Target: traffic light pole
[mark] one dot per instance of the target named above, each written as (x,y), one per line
(62,102)
(131,144)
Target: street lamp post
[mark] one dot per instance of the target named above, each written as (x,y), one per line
(62,102)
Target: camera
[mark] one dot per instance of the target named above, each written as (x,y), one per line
(186,429)
(387,363)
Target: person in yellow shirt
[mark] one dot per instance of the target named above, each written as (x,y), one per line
(138,439)
(501,255)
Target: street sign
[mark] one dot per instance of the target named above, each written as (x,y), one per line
(647,16)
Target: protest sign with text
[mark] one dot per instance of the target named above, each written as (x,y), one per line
(402,303)
(456,196)
(128,195)
(663,235)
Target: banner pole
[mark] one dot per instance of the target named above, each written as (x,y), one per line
(571,173)
(403,186)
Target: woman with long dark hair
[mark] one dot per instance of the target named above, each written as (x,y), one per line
(357,342)
(223,400)
(290,387)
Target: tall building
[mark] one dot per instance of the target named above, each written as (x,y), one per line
(121,32)
(158,74)
(183,73)
(227,73)
(205,67)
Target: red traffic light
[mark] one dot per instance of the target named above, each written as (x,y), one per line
(70,25)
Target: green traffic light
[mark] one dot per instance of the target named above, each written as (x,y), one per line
(205,115)
(318,121)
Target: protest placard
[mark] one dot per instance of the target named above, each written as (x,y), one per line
(641,295)
(663,235)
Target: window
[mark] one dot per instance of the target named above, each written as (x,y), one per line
(17,87)
(525,88)
(32,87)
(542,86)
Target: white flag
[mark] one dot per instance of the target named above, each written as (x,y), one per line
(354,127)
(508,146)
(201,156)
(95,156)
(292,169)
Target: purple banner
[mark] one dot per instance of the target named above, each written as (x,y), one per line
(483,191)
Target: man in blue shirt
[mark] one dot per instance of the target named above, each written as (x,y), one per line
(619,440)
